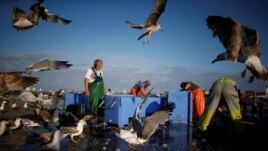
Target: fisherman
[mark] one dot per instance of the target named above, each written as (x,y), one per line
(140,87)
(198,98)
(94,87)
(226,88)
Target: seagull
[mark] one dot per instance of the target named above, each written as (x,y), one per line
(51,119)
(28,97)
(2,107)
(30,123)
(242,44)
(3,127)
(151,26)
(44,114)
(58,136)
(142,131)
(76,131)
(47,64)
(23,21)
(25,106)
(13,105)
(15,81)
(15,125)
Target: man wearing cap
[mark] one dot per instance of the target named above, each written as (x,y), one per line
(94,86)
(198,97)
(140,87)
(223,89)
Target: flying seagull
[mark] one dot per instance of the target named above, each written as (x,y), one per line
(142,131)
(242,44)
(47,64)
(151,26)
(23,21)
(15,81)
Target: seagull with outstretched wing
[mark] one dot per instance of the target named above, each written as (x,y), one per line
(242,44)
(15,81)
(23,21)
(151,26)
(142,131)
(47,64)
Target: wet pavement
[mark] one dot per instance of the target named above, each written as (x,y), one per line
(170,137)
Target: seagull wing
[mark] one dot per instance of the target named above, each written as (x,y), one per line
(20,20)
(251,40)
(14,81)
(48,65)
(69,129)
(152,122)
(133,25)
(36,4)
(54,18)
(159,8)
(229,33)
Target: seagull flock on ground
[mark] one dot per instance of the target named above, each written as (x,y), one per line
(241,42)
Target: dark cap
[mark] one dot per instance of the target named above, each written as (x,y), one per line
(183,85)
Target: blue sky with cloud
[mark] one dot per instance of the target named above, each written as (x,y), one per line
(184,50)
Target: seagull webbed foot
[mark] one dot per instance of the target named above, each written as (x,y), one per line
(243,74)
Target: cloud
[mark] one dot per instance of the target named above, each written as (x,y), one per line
(120,73)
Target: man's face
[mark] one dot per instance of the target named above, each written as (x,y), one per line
(187,87)
(98,66)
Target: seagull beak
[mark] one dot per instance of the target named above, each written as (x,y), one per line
(214,61)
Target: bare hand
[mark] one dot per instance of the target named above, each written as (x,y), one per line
(87,93)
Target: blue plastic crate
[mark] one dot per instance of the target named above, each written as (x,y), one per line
(182,102)
(77,98)
(120,108)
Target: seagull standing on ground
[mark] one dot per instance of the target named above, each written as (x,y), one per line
(242,44)
(77,130)
(151,26)
(13,105)
(47,64)
(15,125)
(3,127)
(25,106)
(2,107)
(30,123)
(55,144)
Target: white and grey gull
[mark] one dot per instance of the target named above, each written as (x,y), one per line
(151,26)
(47,64)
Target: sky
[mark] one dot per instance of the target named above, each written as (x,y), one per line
(182,52)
